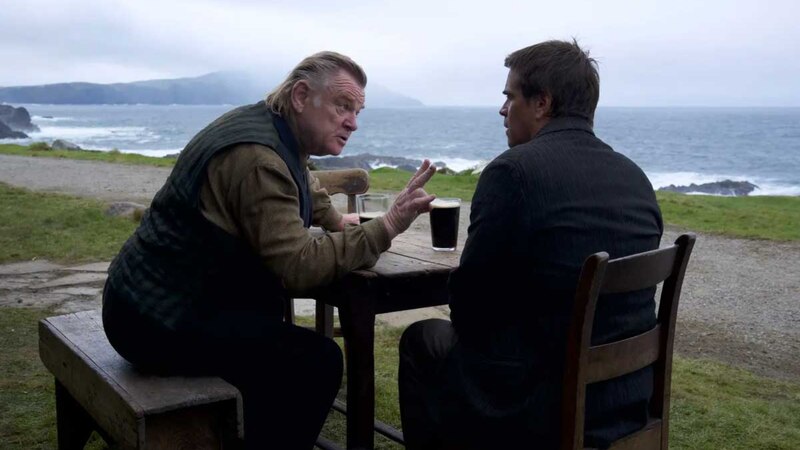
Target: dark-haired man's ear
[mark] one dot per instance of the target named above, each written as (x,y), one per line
(300,92)
(544,105)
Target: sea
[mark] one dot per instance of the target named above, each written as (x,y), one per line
(677,146)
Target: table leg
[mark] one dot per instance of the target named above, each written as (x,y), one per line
(357,316)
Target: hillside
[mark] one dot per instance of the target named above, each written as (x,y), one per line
(210,89)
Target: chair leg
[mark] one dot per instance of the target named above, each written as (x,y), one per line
(73,424)
(288,310)
(324,319)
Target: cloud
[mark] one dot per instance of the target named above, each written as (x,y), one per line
(441,52)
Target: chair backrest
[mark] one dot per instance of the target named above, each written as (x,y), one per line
(347,181)
(586,364)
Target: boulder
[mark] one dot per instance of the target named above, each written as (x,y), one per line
(8,133)
(724,187)
(17,118)
(60,144)
(130,210)
(369,161)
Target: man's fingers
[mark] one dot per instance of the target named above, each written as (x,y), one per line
(425,165)
(423,204)
(423,178)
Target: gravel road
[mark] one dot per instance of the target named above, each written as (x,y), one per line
(740,301)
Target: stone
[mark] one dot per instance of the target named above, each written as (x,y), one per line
(129,210)
(18,119)
(79,291)
(368,161)
(7,133)
(30,300)
(69,280)
(60,144)
(724,187)
(28,267)
(72,305)
(93,267)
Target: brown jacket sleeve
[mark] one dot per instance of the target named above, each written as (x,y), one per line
(250,193)
(325,214)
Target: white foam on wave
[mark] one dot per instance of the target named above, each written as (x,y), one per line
(160,153)
(456,164)
(51,119)
(87,133)
(766,186)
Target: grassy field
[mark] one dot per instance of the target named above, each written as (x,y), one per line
(42,150)
(57,228)
(771,218)
(713,407)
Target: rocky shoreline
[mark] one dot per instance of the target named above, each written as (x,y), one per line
(15,122)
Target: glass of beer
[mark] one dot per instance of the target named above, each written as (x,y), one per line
(370,206)
(444,223)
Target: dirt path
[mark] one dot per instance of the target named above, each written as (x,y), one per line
(740,301)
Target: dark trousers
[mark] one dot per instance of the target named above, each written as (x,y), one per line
(424,348)
(288,376)
(464,395)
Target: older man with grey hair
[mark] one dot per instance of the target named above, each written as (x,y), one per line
(199,287)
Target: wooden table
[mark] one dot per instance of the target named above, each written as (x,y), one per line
(410,275)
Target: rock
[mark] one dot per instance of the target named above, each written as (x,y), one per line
(8,133)
(724,187)
(133,211)
(17,118)
(369,161)
(172,156)
(60,144)
(479,168)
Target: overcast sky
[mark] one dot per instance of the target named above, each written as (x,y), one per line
(651,53)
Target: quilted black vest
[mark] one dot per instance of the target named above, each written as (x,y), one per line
(177,266)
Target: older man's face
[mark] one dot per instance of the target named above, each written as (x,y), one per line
(329,115)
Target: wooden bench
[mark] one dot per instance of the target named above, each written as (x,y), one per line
(96,389)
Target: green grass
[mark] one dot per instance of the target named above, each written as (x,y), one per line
(42,150)
(713,406)
(393,180)
(774,218)
(57,228)
(64,229)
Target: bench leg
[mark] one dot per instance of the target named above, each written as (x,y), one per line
(73,425)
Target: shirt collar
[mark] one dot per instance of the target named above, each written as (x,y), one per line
(286,135)
(566,123)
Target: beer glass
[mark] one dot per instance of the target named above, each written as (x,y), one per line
(444,217)
(370,206)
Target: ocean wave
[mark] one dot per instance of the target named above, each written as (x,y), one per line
(456,164)
(88,133)
(160,153)
(51,119)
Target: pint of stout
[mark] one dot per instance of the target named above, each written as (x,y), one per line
(368,215)
(370,206)
(444,223)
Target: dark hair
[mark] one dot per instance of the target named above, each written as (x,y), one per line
(562,70)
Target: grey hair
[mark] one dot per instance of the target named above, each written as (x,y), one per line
(317,69)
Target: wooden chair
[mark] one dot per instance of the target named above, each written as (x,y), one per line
(588,364)
(349,182)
